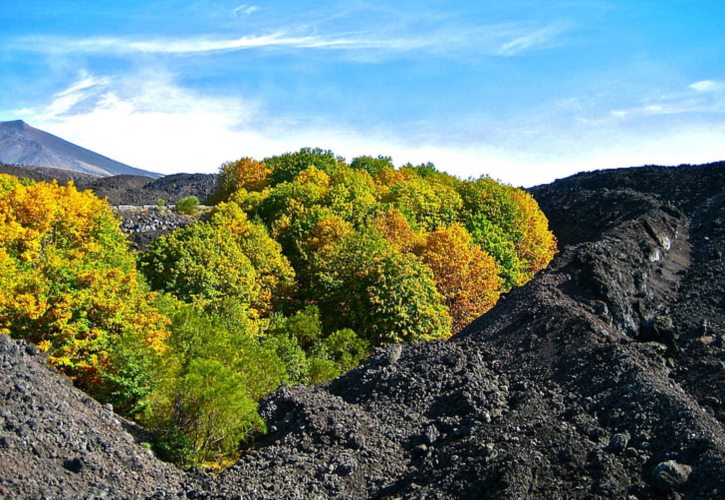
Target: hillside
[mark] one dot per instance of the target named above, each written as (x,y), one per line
(44,174)
(602,377)
(124,189)
(139,190)
(24,145)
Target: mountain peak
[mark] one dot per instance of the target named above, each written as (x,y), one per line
(15,124)
(25,145)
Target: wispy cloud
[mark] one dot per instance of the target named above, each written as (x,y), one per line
(244,10)
(75,97)
(198,45)
(495,40)
(708,86)
(535,39)
(705,96)
(86,81)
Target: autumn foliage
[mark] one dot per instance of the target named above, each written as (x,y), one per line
(67,280)
(464,273)
(304,264)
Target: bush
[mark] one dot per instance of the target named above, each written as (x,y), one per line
(188,206)
(346,348)
(215,372)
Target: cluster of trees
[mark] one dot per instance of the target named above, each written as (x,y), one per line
(395,254)
(304,264)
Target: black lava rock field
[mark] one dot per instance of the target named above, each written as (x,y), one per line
(604,377)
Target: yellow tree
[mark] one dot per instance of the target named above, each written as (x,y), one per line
(537,245)
(428,204)
(67,280)
(464,273)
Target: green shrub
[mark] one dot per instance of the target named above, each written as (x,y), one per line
(188,206)
(346,348)
(216,371)
(323,370)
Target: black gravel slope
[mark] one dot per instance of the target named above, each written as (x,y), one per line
(56,442)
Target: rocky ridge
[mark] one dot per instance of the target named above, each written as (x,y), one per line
(602,378)
(137,190)
(56,442)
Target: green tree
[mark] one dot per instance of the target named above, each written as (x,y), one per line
(202,264)
(346,348)
(285,167)
(372,165)
(225,256)
(383,295)
(215,372)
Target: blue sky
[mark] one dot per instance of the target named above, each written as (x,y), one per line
(525,91)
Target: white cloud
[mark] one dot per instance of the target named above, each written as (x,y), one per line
(648,110)
(244,10)
(151,122)
(86,81)
(534,39)
(494,40)
(707,86)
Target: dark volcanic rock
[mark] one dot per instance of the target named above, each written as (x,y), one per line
(125,189)
(144,225)
(56,442)
(602,378)
(45,173)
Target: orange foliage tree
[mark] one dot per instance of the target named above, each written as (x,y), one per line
(397,230)
(244,173)
(464,273)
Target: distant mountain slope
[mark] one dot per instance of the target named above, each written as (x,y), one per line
(136,190)
(46,174)
(22,144)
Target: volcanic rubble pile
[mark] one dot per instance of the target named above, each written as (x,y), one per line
(56,442)
(144,225)
(603,377)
